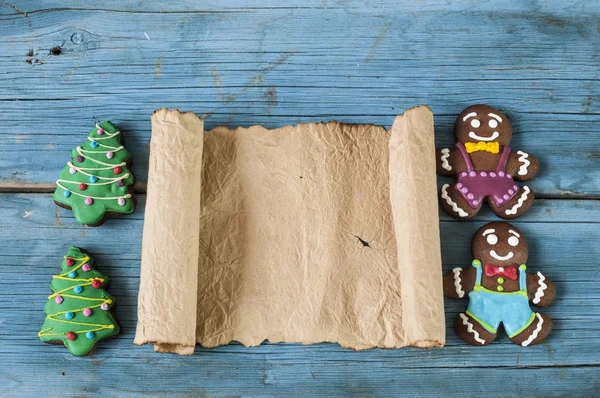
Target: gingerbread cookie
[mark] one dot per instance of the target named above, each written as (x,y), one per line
(499,290)
(97,181)
(485,166)
(79,309)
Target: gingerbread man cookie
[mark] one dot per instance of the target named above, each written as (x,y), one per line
(485,166)
(499,290)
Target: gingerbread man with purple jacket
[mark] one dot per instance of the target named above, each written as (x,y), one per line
(485,166)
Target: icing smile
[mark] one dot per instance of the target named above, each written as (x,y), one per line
(480,138)
(501,258)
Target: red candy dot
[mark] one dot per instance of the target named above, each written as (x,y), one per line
(117,170)
(96,284)
(82,187)
(70,262)
(71,336)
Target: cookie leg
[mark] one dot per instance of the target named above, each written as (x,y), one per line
(515,207)
(454,204)
(471,331)
(536,332)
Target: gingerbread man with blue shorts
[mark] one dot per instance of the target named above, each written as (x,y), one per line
(500,290)
(485,166)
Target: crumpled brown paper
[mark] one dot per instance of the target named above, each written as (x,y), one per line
(309,233)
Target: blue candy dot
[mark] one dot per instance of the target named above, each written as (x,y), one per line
(77,289)
(93,144)
(67,193)
(90,335)
(72,274)
(69,315)
(93,178)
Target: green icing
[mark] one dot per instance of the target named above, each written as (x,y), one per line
(104,192)
(101,322)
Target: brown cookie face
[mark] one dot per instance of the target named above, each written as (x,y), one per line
(478,123)
(499,244)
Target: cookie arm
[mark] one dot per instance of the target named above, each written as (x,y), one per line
(522,166)
(540,289)
(445,161)
(459,282)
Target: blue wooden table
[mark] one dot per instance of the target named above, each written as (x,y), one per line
(65,64)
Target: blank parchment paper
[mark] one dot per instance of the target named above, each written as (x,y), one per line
(311,233)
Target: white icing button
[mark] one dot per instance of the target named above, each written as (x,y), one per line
(501,269)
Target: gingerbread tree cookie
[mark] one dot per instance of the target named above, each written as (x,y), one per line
(97,181)
(499,290)
(485,166)
(78,310)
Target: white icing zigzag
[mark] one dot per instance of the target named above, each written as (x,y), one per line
(445,156)
(455,207)
(535,332)
(470,329)
(522,200)
(526,163)
(457,282)
(540,291)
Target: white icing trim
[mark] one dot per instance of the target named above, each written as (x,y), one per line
(113,149)
(468,115)
(469,325)
(108,135)
(514,233)
(445,156)
(499,257)
(526,163)
(498,118)
(540,291)
(520,202)
(455,207)
(535,332)
(488,231)
(458,282)
(485,139)
(80,151)
(126,196)
(97,168)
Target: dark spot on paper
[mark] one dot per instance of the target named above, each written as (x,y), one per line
(30,53)
(34,61)
(301,177)
(362,241)
(62,373)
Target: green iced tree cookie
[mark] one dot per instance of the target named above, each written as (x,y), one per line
(97,180)
(78,310)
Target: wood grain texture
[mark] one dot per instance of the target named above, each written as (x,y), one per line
(65,65)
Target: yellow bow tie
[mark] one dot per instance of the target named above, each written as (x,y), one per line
(493,147)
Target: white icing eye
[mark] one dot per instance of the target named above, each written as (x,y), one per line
(475,123)
(492,239)
(513,241)
(493,123)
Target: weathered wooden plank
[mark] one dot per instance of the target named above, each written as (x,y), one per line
(35,237)
(274,65)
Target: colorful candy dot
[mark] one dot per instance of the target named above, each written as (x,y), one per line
(72,274)
(492,174)
(94,144)
(72,170)
(82,187)
(508,176)
(70,262)
(117,170)
(96,284)
(77,289)
(505,196)
(516,188)
(71,336)
(463,174)
(464,190)
(121,201)
(80,159)
(110,155)
(93,178)
(99,131)
(88,201)
(483,174)
(67,193)
(59,299)
(87,312)
(472,173)
(501,173)
(104,307)
(470,196)
(90,335)
(459,185)
(86,267)
(510,191)
(69,315)
(475,203)
(120,183)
